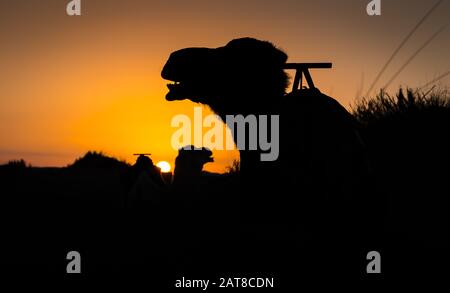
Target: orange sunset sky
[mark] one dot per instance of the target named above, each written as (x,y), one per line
(92,82)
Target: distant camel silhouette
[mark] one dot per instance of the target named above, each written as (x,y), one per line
(147,183)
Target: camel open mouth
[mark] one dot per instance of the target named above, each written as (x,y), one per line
(176,91)
(181,90)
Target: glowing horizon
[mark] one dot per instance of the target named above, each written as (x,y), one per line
(74,84)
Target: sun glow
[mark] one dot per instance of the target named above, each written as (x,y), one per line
(164,166)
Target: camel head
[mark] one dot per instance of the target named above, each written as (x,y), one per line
(242,77)
(189,165)
(193,159)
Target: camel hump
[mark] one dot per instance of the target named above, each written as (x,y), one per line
(315,106)
(326,133)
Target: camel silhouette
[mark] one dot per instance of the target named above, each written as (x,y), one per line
(145,183)
(188,167)
(317,181)
(320,149)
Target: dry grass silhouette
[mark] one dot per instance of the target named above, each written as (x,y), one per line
(384,106)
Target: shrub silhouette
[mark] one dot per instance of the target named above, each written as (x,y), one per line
(407,141)
(93,159)
(17,164)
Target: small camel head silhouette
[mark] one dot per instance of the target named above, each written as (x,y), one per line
(244,75)
(193,159)
(189,165)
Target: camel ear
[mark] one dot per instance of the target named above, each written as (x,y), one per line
(255,51)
